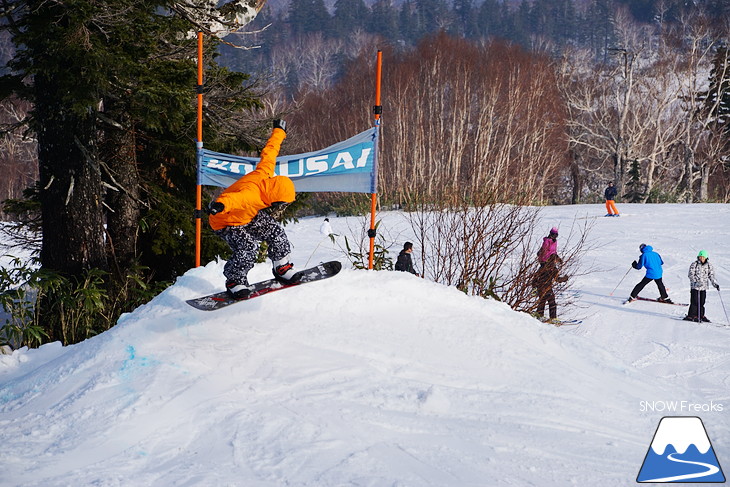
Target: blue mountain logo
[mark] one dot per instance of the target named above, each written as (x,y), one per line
(681,452)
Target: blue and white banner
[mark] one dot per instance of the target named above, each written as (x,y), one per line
(349,166)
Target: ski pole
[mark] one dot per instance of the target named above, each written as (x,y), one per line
(723,306)
(331,236)
(622,280)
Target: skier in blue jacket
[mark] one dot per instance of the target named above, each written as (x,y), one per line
(652,261)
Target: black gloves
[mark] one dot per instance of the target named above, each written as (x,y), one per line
(215,207)
(280,124)
(635,265)
(717,286)
(277,208)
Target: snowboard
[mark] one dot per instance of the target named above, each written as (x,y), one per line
(222,299)
(639,298)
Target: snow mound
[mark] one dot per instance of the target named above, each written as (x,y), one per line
(368,378)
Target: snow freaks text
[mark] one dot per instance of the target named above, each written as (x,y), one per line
(680,407)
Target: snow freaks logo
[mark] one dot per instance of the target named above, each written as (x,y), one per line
(680,407)
(680,452)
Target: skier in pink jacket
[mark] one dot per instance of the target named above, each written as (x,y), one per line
(549,246)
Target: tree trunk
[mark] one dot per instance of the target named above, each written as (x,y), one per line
(119,151)
(70,190)
(619,173)
(689,172)
(704,183)
(577,178)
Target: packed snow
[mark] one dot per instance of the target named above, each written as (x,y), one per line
(382,378)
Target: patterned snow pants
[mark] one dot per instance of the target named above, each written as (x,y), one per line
(244,241)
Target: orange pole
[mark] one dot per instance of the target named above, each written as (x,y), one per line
(199,147)
(377,109)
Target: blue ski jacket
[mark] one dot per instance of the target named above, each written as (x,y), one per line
(652,261)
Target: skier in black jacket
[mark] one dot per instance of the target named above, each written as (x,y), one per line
(610,195)
(404,262)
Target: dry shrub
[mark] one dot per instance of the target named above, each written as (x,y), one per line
(488,248)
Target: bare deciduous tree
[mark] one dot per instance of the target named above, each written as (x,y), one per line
(643,112)
(487,248)
(309,64)
(458,116)
(603,103)
(472,118)
(18,157)
(700,143)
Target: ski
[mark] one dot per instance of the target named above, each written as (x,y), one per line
(711,323)
(598,216)
(567,322)
(223,299)
(559,322)
(639,298)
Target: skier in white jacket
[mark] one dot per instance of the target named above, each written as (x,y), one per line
(700,273)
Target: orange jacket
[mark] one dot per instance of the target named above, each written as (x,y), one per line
(256,190)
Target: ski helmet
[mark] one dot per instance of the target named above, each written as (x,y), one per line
(553,231)
(641,247)
(703,253)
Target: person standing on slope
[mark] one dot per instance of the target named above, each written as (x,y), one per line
(549,247)
(700,272)
(326,229)
(236,216)
(653,263)
(610,195)
(405,262)
(543,281)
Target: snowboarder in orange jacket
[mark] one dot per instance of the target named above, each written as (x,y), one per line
(237,217)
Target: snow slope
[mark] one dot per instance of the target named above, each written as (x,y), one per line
(381,378)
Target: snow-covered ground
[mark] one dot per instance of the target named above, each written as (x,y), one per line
(12,255)
(382,378)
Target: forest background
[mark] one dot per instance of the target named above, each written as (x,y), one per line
(484,103)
